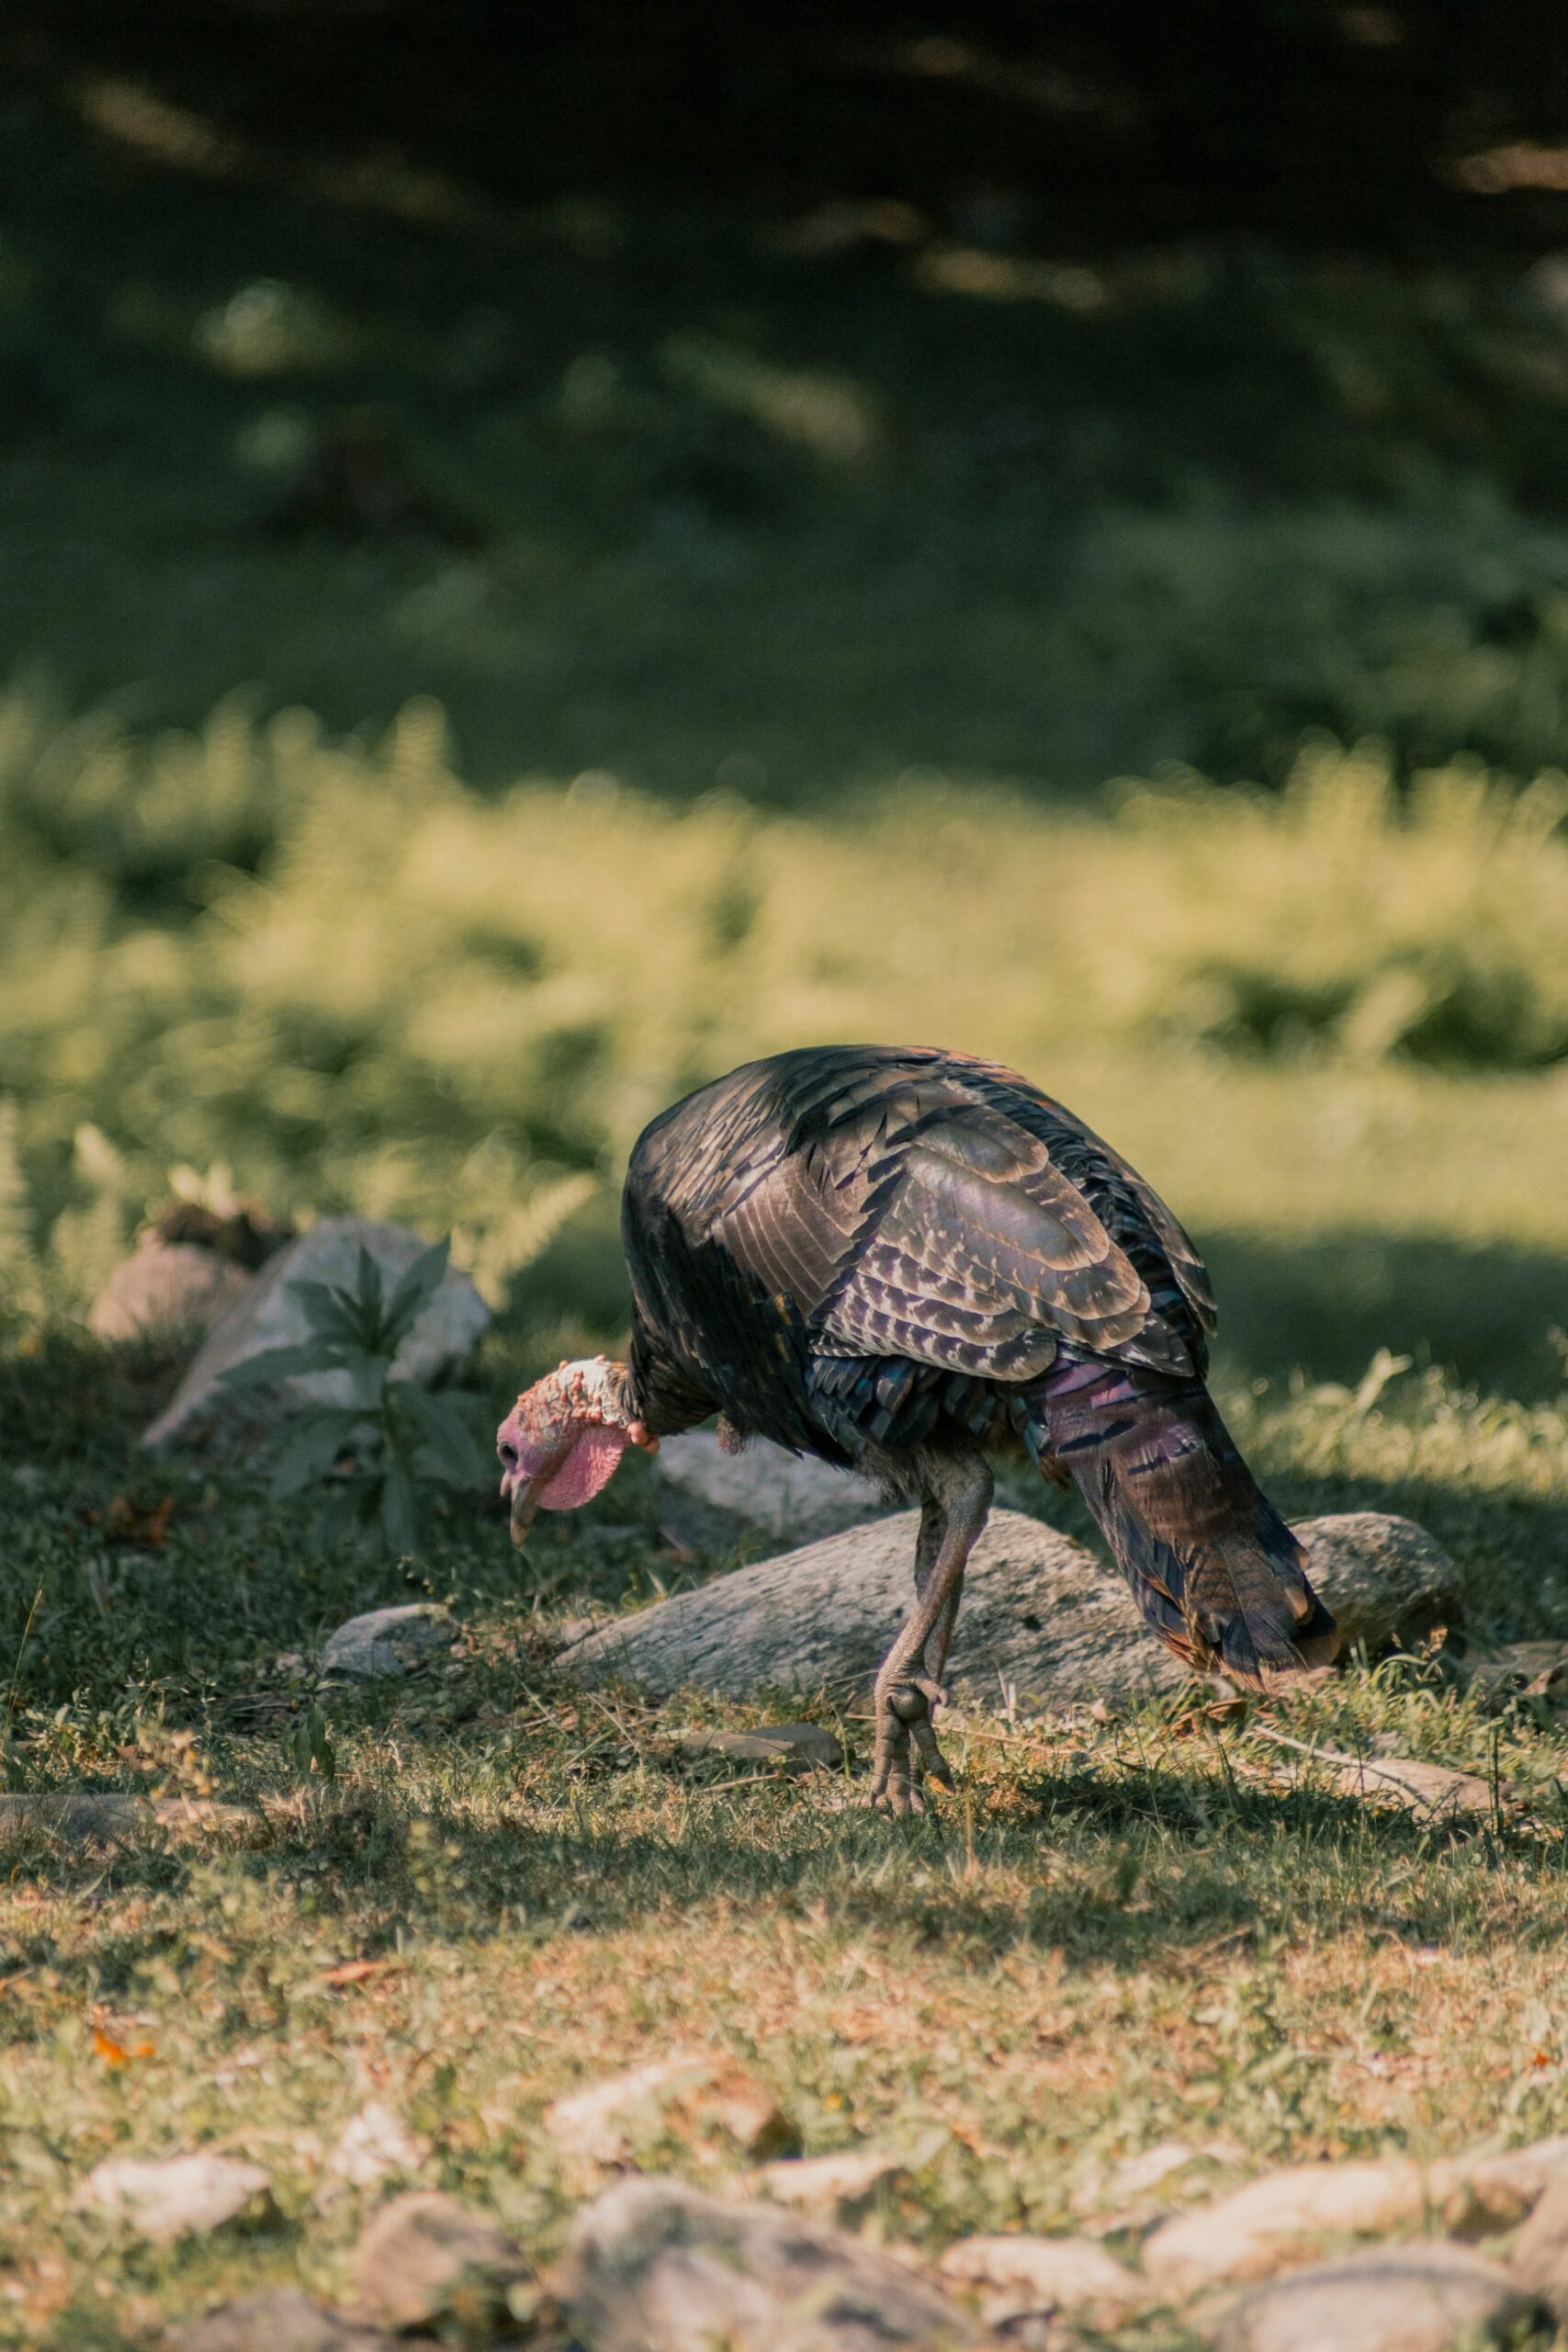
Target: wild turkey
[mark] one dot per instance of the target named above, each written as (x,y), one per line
(906,1260)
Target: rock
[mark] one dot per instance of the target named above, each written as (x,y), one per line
(655,2266)
(1482,2194)
(279,2319)
(1275,2219)
(168,1290)
(375,2143)
(1387,1582)
(1028,2276)
(425,2258)
(270,1316)
(842,2187)
(388,1641)
(1041,1616)
(798,1747)
(690,2093)
(1541,2250)
(104,1813)
(717,1498)
(1424,2296)
(162,2197)
(1436,1791)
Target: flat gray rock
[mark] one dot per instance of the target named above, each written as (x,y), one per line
(653,2265)
(1424,2296)
(714,1498)
(388,1641)
(268,1317)
(1043,1618)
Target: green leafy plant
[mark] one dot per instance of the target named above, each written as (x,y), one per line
(393,1441)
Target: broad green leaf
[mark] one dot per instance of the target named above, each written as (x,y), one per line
(415,1291)
(315,1443)
(282,1363)
(333,1314)
(457,1456)
(369,1292)
(397,1509)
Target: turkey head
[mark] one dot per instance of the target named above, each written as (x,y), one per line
(563,1438)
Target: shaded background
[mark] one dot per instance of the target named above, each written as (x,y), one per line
(867,438)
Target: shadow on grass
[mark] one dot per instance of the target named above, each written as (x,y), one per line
(1326,1304)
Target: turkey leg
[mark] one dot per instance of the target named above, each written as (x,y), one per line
(908,1686)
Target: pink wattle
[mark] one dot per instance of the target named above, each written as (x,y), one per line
(590,1465)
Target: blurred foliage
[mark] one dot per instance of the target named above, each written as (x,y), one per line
(411,1002)
(777,502)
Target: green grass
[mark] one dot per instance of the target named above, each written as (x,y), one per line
(1121,1932)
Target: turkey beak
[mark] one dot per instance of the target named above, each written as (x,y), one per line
(525,1502)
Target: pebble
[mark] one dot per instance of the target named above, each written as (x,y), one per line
(1270,2221)
(653,2265)
(799,1747)
(691,2092)
(375,2143)
(163,2197)
(388,1641)
(1030,2276)
(426,2258)
(1425,2296)
(842,2187)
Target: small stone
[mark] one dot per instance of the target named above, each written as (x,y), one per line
(270,1316)
(388,1641)
(163,2197)
(1275,2219)
(1044,2275)
(799,1747)
(1484,2194)
(688,2094)
(1434,1791)
(1541,2250)
(374,2143)
(425,2257)
(653,2265)
(1387,1582)
(279,2319)
(842,2187)
(167,1290)
(1425,2296)
(105,1814)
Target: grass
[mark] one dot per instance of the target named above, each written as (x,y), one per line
(1122,1932)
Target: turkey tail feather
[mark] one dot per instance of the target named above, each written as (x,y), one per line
(1211,1563)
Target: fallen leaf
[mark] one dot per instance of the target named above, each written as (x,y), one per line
(131,1522)
(112,2053)
(356,1972)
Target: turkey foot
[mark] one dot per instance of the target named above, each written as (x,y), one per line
(907,1750)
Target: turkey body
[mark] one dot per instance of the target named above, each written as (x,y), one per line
(901,1259)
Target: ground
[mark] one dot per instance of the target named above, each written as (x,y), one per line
(1118,1933)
